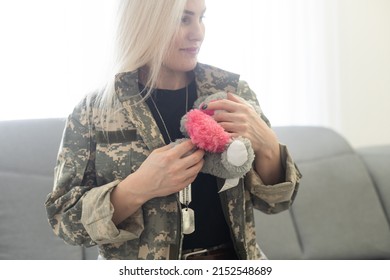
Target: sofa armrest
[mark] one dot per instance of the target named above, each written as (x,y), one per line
(377,161)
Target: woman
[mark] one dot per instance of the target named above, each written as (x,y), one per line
(117,178)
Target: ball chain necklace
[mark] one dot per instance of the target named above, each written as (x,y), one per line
(188,214)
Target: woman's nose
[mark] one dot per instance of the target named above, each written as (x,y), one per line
(197,31)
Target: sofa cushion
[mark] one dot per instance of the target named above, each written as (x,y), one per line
(30,146)
(25,232)
(28,154)
(337,213)
(277,236)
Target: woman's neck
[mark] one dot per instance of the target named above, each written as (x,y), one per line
(170,80)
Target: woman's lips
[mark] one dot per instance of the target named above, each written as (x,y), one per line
(191,50)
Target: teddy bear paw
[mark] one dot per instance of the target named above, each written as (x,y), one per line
(237,153)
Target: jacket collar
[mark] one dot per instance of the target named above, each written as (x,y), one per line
(208,79)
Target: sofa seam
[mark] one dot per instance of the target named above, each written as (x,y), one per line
(297,232)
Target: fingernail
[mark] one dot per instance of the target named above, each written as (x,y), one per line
(204,107)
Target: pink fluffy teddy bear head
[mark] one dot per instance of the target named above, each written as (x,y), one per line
(225,157)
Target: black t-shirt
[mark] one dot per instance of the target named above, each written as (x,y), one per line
(211,228)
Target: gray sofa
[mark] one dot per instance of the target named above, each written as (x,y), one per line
(341,212)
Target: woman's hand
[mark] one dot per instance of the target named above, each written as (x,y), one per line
(169,169)
(239,118)
(165,171)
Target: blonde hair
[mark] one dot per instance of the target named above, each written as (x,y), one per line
(143,34)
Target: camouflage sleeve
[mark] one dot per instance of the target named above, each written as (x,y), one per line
(273,198)
(75,192)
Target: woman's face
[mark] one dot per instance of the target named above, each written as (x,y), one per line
(182,56)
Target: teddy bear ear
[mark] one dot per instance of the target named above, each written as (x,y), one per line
(199,101)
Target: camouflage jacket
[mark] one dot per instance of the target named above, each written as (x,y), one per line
(91,163)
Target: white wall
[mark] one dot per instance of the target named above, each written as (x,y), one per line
(332,67)
(364,40)
(49,60)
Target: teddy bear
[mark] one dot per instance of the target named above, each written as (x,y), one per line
(225,157)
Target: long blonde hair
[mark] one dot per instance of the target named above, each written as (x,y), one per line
(144,30)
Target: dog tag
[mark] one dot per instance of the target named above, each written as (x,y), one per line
(188,220)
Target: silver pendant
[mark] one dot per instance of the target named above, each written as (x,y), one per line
(188,216)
